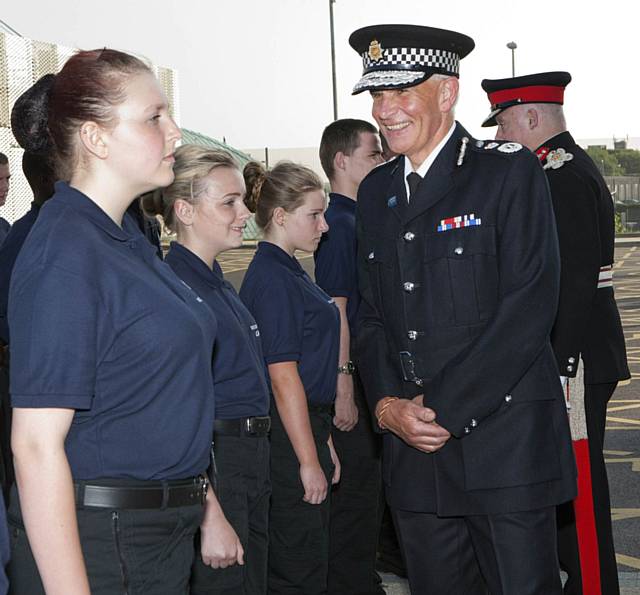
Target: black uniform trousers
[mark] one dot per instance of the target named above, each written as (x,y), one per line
(355,503)
(126,552)
(298,531)
(6,461)
(243,489)
(500,554)
(596,397)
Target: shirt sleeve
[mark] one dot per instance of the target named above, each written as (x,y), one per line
(335,270)
(53,317)
(279,311)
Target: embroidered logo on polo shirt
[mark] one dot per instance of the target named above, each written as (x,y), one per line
(254,328)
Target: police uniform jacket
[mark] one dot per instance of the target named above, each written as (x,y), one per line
(461,312)
(587,324)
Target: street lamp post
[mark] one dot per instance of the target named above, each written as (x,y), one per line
(333,61)
(512,45)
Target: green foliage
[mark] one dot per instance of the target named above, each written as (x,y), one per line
(629,160)
(606,161)
(619,227)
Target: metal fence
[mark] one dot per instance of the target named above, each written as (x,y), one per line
(624,189)
(22,62)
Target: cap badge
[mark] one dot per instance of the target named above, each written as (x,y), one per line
(490,146)
(510,147)
(557,158)
(375,50)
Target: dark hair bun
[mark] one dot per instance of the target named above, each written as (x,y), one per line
(29,117)
(254,176)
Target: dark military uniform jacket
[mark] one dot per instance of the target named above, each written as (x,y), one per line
(460,291)
(587,324)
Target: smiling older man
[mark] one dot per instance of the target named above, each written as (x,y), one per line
(459,274)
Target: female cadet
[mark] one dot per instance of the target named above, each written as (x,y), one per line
(299,326)
(110,354)
(205,206)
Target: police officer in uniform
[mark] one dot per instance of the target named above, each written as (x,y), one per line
(587,336)
(459,277)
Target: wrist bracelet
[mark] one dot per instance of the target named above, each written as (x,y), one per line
(383,410)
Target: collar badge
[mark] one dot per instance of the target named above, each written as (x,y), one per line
(557,158)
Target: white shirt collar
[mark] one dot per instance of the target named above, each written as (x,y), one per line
(428,162)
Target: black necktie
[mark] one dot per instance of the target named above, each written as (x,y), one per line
(413,180)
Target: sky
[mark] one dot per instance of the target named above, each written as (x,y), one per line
(258,72)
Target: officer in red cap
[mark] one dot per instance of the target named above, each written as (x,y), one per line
(459,278)
(587,334)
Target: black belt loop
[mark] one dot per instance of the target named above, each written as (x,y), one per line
(79,488)
(165,494)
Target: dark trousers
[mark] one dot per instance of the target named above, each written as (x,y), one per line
(6,461)
(298,531)
(243,489)
(505,554)
(355,502)
(596,398)
(126,552)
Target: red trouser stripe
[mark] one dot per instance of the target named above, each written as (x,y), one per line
(586,522)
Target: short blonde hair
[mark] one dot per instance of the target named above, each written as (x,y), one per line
(193,164)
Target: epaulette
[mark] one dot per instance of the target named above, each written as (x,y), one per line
(553,159)
(505,147)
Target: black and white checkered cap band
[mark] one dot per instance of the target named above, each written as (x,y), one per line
(407,57)
(388,79)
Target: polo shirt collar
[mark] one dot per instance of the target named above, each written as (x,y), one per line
(82,204)
(340,200)
(277,254)
(197,265)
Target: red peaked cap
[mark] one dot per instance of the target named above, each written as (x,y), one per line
(544,87)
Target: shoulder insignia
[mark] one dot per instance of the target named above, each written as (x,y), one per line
(510,148)
(557,158)
(490,146)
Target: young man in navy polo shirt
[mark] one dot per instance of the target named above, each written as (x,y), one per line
(349,150)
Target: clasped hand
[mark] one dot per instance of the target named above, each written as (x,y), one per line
(415,424)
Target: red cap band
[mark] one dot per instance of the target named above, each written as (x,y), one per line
(533,94)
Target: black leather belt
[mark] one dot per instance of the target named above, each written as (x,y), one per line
(245,426)
(151,494)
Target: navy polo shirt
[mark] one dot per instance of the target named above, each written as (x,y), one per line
(298,321)
(239,373)
(336,256)
(101,325)
(8,254)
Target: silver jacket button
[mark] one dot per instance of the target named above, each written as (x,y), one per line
(459,250)
(467,430)
(569,368)
(409,236)
(508,398)
(409,287)
(572,360)
(371,255)
(413,335)
(419,381)
(473,423)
